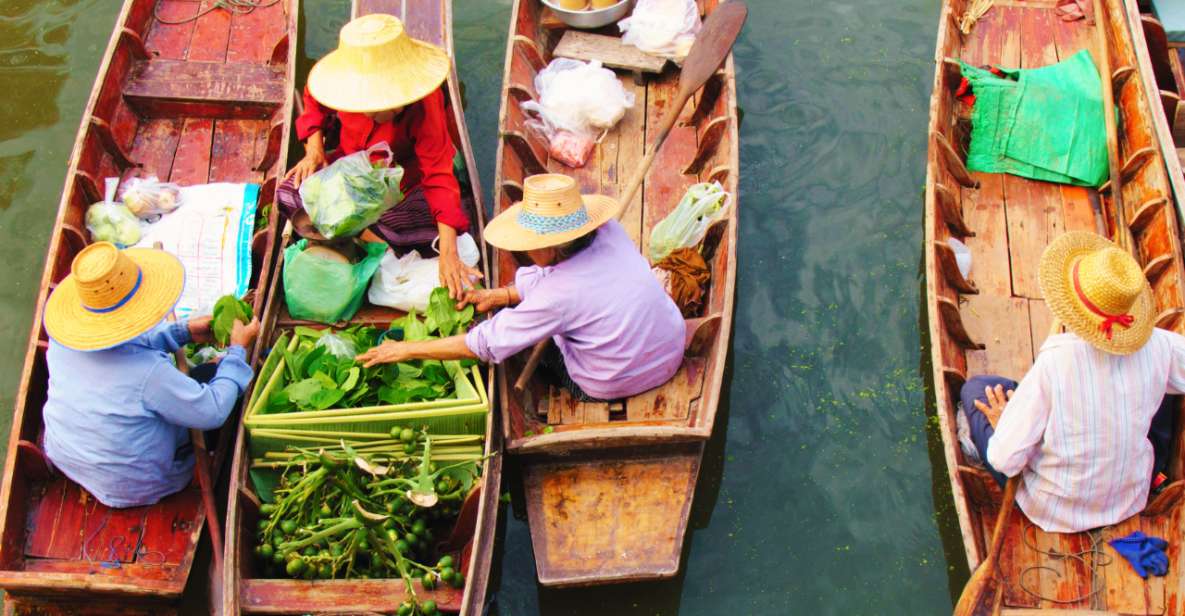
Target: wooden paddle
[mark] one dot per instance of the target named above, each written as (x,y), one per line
(983,592)
(707,55)
(1123,234)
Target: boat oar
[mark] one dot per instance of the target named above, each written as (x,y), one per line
(981,596)
(707,54)
(1123,234)
(202,464)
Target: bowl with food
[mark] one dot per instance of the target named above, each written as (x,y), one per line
(589,14)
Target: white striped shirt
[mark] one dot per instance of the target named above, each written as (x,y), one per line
(1077,427)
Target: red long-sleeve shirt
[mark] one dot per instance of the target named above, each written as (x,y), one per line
(419,138)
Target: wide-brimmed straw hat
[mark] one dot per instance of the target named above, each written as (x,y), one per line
(551,213)
(1098,291)
(112,296)
(377,66)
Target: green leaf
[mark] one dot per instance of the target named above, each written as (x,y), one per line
(301,392)
(441,315)
(325,398)
(436,374)
(413,328)
(464,474)
(227,310)
(351,379)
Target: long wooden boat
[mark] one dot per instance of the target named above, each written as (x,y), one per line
(246,590)
(996,322)
(608,487)
(203,100)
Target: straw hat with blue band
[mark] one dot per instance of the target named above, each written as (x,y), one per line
(552,212)
(1098,291)
(112,296)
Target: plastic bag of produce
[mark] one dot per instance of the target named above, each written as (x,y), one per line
(350,194)
(664,28)
(686,226)
(337,346)
(149,198)
(111,221)
(406,282)
(327,290)
(577,103)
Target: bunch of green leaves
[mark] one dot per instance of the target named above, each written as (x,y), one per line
(227,310)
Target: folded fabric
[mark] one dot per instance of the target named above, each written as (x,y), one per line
(1145,553)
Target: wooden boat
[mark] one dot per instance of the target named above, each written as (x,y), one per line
(200,101)
(608,487)
(996,322)
(246,590)
(1164,77)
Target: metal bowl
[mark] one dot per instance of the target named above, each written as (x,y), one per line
(591,19)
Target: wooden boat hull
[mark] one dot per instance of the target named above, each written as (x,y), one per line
(609,486)
(1164,84)
(996,322)
(429,20)
(203,101)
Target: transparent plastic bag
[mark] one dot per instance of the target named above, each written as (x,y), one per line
(111,221)
(578,102)
(149,198)
(406,283)
(686,226)
(341,348)
(351,194)
(665,28)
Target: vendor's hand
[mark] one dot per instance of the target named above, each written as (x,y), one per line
(244,334)
(312,162)
(389,352)
(455,275)
(484,300)
(199,330)
(996,400)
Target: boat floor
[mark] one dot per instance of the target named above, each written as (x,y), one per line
(1014,219)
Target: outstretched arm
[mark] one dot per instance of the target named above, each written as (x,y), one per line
(391,352)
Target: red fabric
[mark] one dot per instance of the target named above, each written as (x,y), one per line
(419,138)
(964,94)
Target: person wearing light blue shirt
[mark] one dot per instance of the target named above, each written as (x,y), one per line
(118,411)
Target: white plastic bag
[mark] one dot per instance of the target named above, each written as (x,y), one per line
(962,256)
(664,28)
(149,198)
(406,282)
(111,221)
(578,101)
(686,226)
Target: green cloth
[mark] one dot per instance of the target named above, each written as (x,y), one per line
(1044,123)
(325,291)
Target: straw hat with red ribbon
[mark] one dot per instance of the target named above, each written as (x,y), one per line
(1098,291)
(112,296)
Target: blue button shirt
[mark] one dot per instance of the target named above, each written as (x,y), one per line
(117,421)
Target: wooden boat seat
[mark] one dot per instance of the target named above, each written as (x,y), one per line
(160,87)
(610,51)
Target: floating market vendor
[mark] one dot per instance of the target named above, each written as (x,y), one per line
(382,86)
(118,413)
(1090,425)
(616,331)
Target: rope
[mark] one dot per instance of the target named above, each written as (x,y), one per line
(112,559)
(1093,558)
(975,10)
(237,7)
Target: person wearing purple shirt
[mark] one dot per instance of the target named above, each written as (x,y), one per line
(616,331)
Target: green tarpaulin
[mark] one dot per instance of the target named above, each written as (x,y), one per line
(1043,123)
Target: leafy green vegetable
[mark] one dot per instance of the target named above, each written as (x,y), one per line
(350,195)
(227,310)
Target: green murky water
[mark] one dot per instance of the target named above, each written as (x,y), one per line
(817,495)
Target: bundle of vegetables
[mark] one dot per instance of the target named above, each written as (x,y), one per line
(320,371)
(349,195)
(343,513)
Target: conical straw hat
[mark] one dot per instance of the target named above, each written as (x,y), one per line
(1098,291)
(112,296)
(377,67)
(551,213)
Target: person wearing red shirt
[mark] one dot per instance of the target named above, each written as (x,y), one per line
(382,86)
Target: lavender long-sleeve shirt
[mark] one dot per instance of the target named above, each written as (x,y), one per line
(117,420)
(619,331)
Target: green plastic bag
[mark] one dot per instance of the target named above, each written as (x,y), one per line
(325,291)
(1044,124)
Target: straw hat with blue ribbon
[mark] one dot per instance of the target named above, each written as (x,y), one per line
(377,66)
(112,296)
(1098,291)
(552,212)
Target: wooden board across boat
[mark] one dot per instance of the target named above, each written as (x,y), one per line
(201,101)
(246,592)
(996,322)
(608,487)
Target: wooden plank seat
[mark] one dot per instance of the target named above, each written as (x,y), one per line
(161,88)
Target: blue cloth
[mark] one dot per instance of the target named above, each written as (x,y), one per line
(1145,553)
(1171,14)
(117,420)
